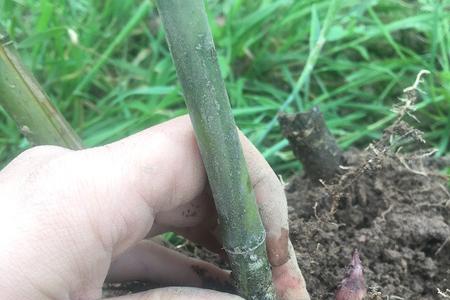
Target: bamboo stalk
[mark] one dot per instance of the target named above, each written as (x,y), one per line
(25,101)
(192,48)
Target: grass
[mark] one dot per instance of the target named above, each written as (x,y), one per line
(106,66)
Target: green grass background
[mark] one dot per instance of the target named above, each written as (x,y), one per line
(116,76)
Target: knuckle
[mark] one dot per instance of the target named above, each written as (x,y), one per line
(40,151)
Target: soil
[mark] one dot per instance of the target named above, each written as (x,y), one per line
(391,204)
(397,217)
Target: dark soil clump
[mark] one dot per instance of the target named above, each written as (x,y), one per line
(394,208)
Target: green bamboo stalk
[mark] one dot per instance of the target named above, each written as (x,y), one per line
(25,101)
(192,48)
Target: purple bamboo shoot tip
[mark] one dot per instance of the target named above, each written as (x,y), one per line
(353,286)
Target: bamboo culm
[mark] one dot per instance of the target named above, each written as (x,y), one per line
(25,101)
(192,48)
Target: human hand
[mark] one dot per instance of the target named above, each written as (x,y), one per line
(70,219)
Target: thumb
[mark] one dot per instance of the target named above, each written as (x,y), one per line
(179,293)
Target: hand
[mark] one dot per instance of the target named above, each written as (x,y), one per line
(70,219)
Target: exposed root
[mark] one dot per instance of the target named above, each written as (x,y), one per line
(445,294)
(389,146)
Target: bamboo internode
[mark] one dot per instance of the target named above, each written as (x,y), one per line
(192,48)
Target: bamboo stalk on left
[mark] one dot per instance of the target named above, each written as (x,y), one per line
(25,101)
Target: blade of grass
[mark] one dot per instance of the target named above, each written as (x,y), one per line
(121,36)
(309,66)
(386,33)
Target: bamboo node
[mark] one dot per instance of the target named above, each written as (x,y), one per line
(247,250)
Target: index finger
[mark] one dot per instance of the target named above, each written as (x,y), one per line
(272,203)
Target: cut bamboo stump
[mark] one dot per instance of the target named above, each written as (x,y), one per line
(312,143)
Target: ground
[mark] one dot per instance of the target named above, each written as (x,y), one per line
(398,219)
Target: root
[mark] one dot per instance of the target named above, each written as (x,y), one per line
(445,294)
(389,146)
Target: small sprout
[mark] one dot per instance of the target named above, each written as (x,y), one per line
(353,286)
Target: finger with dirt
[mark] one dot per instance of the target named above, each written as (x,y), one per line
(271,200)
